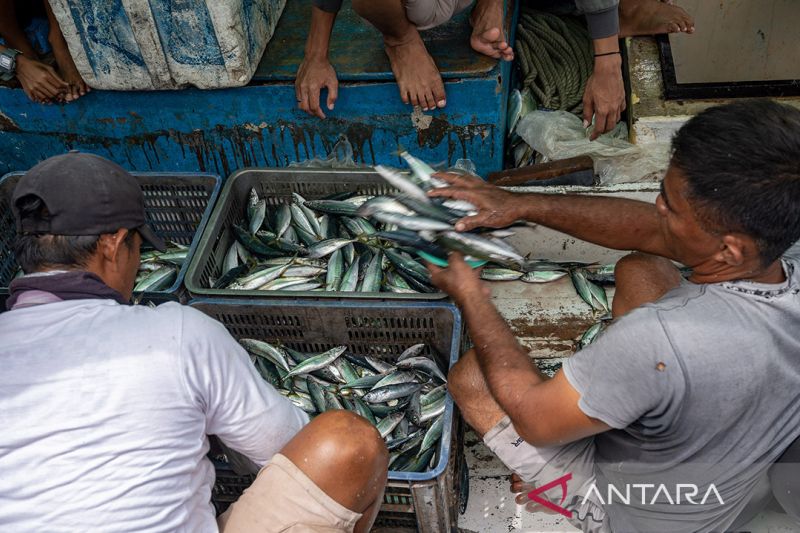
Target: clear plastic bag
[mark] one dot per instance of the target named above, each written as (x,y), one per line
(561,135)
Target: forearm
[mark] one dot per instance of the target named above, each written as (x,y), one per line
(319,35)
(618,223)
(506,367)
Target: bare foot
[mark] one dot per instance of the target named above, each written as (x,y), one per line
(487,30)
(651,17)
(69,72)
(417,76)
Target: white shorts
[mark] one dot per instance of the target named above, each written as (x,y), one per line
(426,14)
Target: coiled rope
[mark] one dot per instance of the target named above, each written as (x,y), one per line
(555,56)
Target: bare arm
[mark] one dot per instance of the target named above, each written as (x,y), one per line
(543,411)
(604,96)
(316,71)
(618,223)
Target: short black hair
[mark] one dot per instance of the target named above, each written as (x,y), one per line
(741,162)
(35,253)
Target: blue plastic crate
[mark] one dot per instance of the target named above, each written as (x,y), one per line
(378,329)
(177,206)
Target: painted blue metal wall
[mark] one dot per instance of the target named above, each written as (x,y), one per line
(221,131)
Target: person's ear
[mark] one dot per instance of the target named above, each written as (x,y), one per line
(735,249)
(109,245)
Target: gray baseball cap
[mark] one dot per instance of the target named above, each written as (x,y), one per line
(85,194)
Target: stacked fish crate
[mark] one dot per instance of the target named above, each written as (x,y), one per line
(177,207)
(337,315)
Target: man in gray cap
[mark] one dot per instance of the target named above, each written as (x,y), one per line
(106,407)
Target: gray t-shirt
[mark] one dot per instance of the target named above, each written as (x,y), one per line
(702,387)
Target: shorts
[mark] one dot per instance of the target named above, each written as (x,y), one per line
(572,465)
(283,498)
(426,14)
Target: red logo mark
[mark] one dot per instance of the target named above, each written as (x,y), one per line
(562,482)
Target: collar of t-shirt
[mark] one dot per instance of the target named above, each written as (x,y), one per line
(47,287)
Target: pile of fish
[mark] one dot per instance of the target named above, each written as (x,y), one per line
(589,280)
(351,242)
(404,400)
(520,104)
(159,270)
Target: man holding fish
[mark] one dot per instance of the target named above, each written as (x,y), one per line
(695,382)
(107,407)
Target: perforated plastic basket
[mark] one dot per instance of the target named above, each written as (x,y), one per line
(177,206)
(378,329)
(277,186)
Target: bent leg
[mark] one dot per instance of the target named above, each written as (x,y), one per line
(640,279)
(331,474)
(784,478)
(418,78)
(468,387)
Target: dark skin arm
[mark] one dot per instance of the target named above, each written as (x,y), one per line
(316,71)
(604,96)
(40,82)
(544,411)
(618,223)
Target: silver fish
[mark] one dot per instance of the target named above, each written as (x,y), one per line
(397,180)
(317,362)
(543,276)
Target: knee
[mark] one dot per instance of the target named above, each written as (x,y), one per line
(635,264)
(353,440)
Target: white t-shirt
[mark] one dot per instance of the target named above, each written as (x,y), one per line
(104,412)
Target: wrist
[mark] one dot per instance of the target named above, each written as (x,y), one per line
(606,45)
(519,205)
(608,64)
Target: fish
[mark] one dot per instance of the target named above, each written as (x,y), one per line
(433,434)
(333,207)
(591,334)
(335,271)
(412,351)
(387,425)
(327,247)
(391,392)
(405,185)
(422,172)
(256,211)
(157,280)
(543,276)
(424,364)
(591,293)
(501,274)
(266,350)
(317,362)
(415,223)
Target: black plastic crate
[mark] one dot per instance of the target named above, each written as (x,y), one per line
(429,501)
(177,207)
(277,186)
